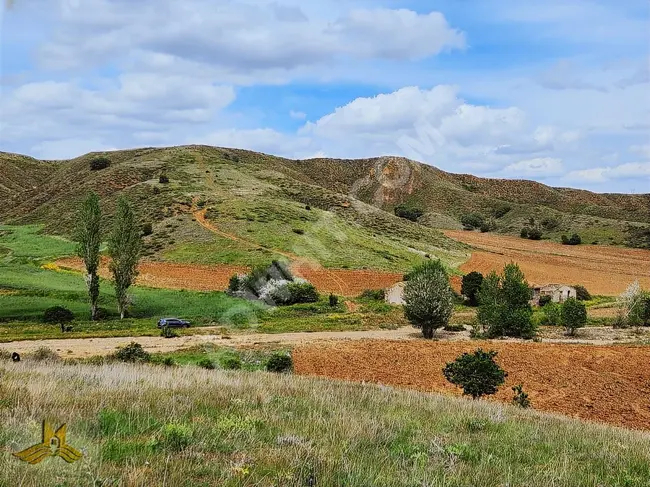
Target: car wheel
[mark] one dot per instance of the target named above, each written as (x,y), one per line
(187,326)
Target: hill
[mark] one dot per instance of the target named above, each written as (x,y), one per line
(186,426)
(241,207)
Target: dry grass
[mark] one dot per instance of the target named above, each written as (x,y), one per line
(184,426)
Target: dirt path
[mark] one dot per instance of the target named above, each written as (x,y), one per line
(87,347)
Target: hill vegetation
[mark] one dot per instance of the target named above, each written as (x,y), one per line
(339,213)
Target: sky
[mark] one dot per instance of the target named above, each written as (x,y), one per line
(557,91)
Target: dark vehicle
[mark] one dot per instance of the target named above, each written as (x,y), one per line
(173,323)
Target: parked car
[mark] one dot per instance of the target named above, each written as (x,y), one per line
(173,323)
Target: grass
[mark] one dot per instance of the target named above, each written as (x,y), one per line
(186,426)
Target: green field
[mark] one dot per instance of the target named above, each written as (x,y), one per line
(187,426)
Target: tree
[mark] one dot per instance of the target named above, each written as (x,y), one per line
(534,234)
(58,315)
(124,247)
(88,237)
(408,212)
(428,297)
(524,232)
(504,304)
(477,373)
(472,221)
(581,293)
(470,286)
(645,309)
(574,315)
(630,305)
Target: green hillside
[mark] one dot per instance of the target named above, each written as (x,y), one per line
(337,212)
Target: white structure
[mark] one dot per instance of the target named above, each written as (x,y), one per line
(559,292)
(395,294)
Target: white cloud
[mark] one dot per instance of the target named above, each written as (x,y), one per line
(631,170)
(297,115)
(541,168)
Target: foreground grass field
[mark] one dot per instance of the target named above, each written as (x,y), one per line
(186,426)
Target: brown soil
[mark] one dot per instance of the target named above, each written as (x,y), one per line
(602,270)
(600,383)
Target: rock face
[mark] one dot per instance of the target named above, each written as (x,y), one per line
(395,294)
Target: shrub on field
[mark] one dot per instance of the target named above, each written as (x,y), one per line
(501,210)
(524,232)
(169,362)
(520,398)
(44,354)
(231,362)
(581,293)
(544,300)
(279,362)
(477,373)
(303,292)
(373,294)
(631,307)
(470,286)
(472,221)
(167,332)
(133,352)
(574,315)
(163,179)
(428,298)
(147,229)
(58,315)
(206,363)
(534,234)
(99,163)
(552,314)
(573,240)
(504,304)
(408,212)
(174,437)
(334,300)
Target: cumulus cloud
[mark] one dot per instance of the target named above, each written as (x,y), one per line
(541,168)
(631,170)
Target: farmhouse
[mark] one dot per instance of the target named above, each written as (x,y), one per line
(558,292)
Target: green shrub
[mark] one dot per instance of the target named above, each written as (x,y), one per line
(470,286)
(169,362)
(428,298)
(234,283)
(206,363)
(574,240)
(132,352)
(279,362)
(174,437)
(334,300)
(231,362)
(44,354)
(520,398)
(552,314)
(472,221)
(147,229)
(534,234)
(163,179)
(58,315)
(501,210)
(477,373)
(298,231)
(524,232)
(99,163)
(581,293)
(302,292)
(544,300)
(550,223)
(167,332)
(373,294)
(574,315)
(408,212)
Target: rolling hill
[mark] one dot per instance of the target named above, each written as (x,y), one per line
(241,207)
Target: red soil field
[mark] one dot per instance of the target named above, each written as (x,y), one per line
(602,270)
(215,278)
(608,384)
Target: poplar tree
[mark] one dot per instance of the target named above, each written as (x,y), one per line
(88,237)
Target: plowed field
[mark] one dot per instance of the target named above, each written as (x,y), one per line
(603,270)
(600,383)
(215,278)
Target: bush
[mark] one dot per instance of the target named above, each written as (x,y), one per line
(167,332)
(574,315)
(524,232)
(234,284)
(550,223)
(334,300)
(428,298)
(174,437)
(206,363)
(163,179)
(501,211)
(581,293)
(544,300)
(471,285)
(58,315)
(373,294)
(147,229)
(169,362)
(574,240)
(408,212)
(302,292)
(132,352)
(520,398)
(472,221)
(279,362)
(99,163)
(552,314)
(477,373)
(504,304)
(534,234)
(44,354)
(231,362)
(298,231)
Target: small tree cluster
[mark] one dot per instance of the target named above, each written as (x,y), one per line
(470,287)
(99,163)
(574,315)
(573,240)
(504,304)
(279,362)
(531,233)
(133,352)
(477,373)
(428,298)
(408,212)
(500,211)
(581,293)
(633,307)
(472,221)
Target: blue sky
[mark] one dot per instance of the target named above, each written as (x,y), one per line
(556,91)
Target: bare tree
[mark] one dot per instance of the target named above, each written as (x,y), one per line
(88,237)
(124,247)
